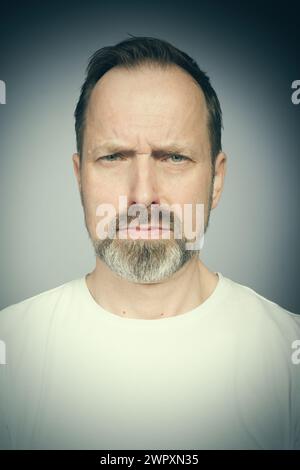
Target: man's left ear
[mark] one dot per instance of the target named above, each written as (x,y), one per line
(220,170)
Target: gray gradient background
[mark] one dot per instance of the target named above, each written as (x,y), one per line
(252,58)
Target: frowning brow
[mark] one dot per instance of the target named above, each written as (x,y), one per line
(156,151)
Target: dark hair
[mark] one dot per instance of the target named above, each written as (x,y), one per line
(140,50)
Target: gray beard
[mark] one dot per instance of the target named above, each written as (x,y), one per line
(144,261)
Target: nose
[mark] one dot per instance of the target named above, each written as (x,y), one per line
(143,182)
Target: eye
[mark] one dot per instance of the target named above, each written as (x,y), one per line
(111,158)
(177,158)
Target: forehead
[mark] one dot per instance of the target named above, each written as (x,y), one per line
(146,102)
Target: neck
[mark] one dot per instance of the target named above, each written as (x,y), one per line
(185,290)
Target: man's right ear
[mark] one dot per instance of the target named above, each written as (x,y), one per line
(76,165)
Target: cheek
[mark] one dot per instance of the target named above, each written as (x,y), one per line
(94,193)
(193,199)
(96,189)
(194,190)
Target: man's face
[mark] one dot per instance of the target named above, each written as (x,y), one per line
(146,138)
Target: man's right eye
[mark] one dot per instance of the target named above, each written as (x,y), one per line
(110,158)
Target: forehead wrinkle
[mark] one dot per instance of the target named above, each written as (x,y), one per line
(114,146)
(118,133)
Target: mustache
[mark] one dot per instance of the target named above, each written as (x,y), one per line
(162,217)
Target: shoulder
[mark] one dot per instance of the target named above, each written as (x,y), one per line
(36,309)
(258,314)
(243,295)
(268,347)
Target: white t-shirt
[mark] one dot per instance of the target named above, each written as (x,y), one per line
(224,375)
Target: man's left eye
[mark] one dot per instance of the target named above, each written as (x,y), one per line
(177,158)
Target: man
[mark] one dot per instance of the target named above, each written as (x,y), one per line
(151,350)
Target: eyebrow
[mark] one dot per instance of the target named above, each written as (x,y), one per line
(157,151)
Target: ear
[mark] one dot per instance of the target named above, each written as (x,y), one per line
(76,166)
(220,170)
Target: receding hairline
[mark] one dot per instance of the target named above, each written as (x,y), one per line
(150,64)
(139,52)
(144,65)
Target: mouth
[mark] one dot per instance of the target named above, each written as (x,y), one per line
(140,230)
